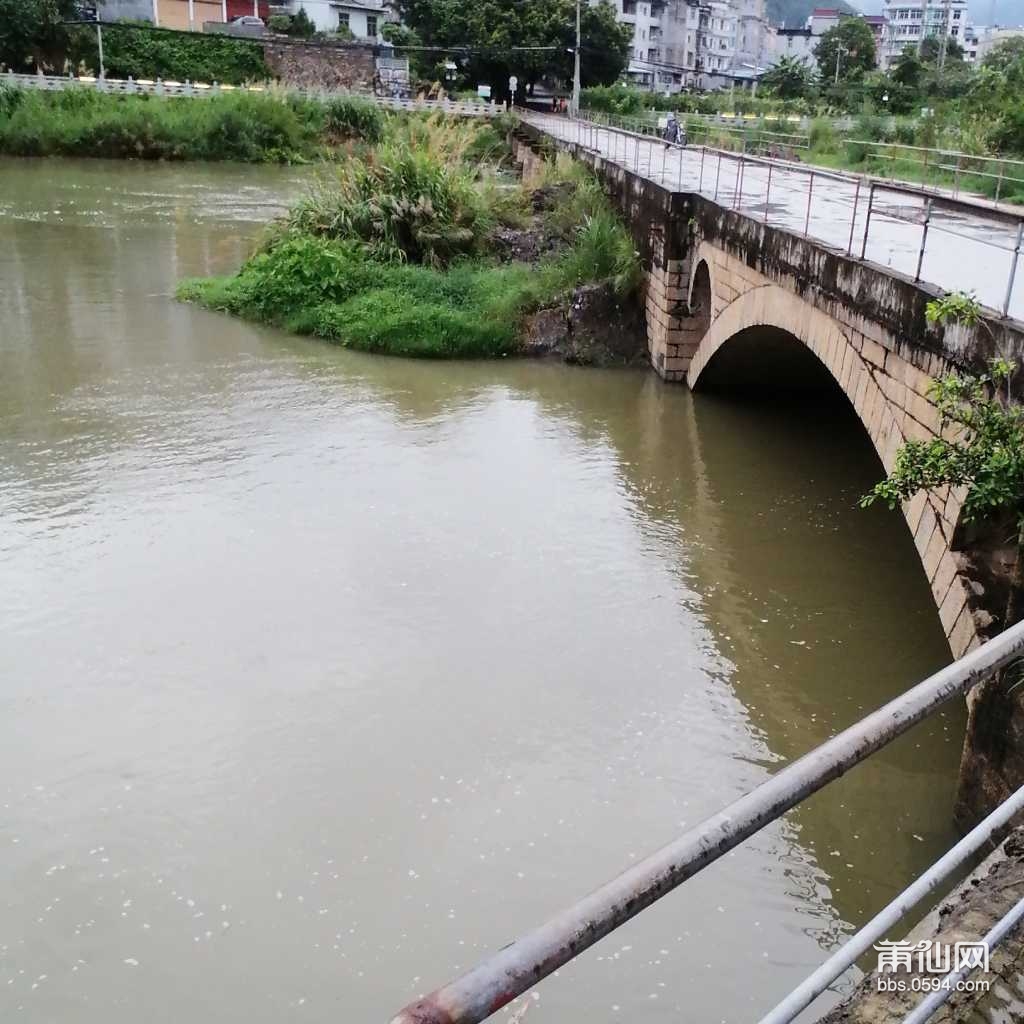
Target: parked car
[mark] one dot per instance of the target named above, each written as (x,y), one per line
(249,20)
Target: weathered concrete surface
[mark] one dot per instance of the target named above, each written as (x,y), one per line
(965,916)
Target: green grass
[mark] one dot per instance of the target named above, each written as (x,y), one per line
(390,252)
(334,290)
(249,127)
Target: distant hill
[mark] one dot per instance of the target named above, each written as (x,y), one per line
(793,13)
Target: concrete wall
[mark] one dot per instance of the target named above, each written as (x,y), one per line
(321,65)
(126,10)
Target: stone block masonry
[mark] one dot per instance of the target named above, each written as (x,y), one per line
(331,66)
(712,274)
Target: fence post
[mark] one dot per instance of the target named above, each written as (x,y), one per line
(867,221)
(703,153)
(810,194)
(853,219)
(1013,267)
(956,177)
(999,182)
(718,175)
(737,192)
(768,194)
(924,239)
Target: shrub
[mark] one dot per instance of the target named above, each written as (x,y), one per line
(401,203)
(823,136)
(389,256)
(352,116)
(75,122)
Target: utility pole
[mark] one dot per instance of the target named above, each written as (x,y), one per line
(99,44)
(945,35)
(574,107)
(840,51)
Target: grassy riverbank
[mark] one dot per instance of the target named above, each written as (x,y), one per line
(395,251)
(269,127)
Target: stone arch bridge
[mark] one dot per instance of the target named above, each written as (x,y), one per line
(731,300)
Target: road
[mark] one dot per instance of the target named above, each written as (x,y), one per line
(966,249)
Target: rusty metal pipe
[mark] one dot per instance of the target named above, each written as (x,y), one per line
(521,964)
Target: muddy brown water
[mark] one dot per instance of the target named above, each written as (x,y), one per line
(323,674)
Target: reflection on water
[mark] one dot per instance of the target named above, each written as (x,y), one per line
(325,674)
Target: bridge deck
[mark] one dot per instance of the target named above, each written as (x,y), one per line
(967,248)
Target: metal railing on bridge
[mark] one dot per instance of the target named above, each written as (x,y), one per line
(995,177)
(837,208)
(519,966)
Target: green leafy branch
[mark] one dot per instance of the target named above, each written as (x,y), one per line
(980,444)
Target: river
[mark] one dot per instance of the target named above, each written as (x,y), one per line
(324,674)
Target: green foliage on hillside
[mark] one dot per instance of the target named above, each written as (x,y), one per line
(133,51)
(793,13)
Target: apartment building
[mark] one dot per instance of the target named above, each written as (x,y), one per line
(685,43)
(910,22)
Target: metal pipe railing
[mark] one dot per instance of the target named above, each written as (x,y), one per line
(847,955)
(521,964)
(933,199)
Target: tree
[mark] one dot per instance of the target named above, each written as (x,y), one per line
(984,451)
(931,50)
(848,46)
(908,69)
(483,36)
(32,33)
(790,79)
(1004,55)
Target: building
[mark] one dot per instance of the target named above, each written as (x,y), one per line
(795,43)
(821,19)
(801,43)
(363,19)
(910,22)
(879,27)
(645,18)
(978,42)
(681,44)
(751,32)
(189,15)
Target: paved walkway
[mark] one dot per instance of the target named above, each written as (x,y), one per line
(967,249)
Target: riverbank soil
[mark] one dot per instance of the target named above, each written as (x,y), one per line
(966,915)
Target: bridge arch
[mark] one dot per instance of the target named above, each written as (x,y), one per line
(767,315)
(701,296)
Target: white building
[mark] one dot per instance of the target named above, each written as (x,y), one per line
(363,20)
(684,43)
(910,22)
(979,41)
(795,43)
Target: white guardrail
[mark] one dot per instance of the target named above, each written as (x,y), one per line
(199,90)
